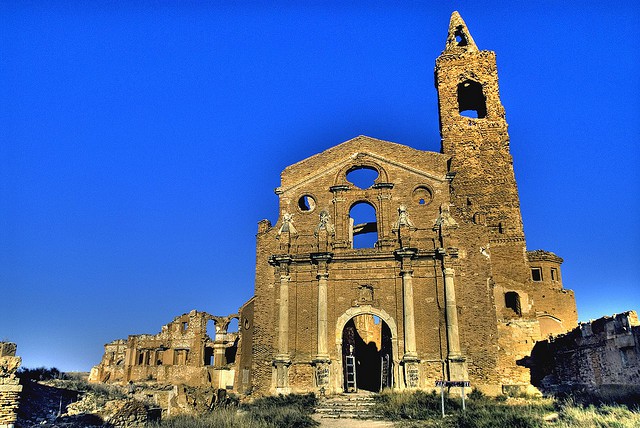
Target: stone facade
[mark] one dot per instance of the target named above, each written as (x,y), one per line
(604,353)
(10,387)
(388,267)
(182,353)
(446,270)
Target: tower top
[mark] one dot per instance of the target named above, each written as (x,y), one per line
(459,39)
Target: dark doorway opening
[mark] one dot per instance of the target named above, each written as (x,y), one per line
(367,354)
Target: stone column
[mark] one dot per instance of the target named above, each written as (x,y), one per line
(451,312)
(282,360)
(322,360)
(283,318)
(322,316)
(455,360)
(409,319)
(340,216)
(410,358)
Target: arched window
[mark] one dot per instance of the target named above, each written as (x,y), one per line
(363,226)
(512,301)
(471,101)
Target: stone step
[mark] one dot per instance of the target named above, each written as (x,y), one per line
(321,409)
(348,416)
(347,406)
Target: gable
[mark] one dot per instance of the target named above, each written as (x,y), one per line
(366,152)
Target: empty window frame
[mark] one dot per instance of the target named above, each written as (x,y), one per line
(362,177)
(363,225)
(471,100)
(554,274)
(536,274)
(512,301)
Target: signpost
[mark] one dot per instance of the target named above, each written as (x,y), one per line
(452,383)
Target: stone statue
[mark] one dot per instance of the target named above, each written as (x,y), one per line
(287,225)
(324,224)
(403,218)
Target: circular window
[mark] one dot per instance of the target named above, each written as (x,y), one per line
(306,203)
(422,195)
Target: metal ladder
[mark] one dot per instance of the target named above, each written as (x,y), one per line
(350,373)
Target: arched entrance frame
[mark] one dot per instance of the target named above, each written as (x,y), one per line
(338,374)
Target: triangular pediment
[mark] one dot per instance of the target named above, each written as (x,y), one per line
(364,150)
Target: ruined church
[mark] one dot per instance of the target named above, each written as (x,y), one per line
(388,267)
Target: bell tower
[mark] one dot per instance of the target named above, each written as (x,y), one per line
(474,133)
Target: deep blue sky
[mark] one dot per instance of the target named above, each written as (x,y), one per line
(140,144)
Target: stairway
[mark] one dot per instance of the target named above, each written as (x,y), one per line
(353,406)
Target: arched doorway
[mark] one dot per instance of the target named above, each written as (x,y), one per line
(367,342)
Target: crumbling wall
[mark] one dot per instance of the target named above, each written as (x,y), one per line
(182,353)
(10,387)
(596,354)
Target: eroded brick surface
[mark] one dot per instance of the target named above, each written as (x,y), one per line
(184,352)
(445,288)
(599,354)
(10,387)
(448,274)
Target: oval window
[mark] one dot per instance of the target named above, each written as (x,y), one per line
(362,177)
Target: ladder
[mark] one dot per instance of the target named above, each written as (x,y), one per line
(384,372)
(350,373)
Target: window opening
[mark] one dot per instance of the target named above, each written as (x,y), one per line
(536,274)
(209,358)
(512,301)
(185,326)
(461,40)
(306,203)
(233,326)
(363,225)
(422,195)
(362,177)
(554,274)
(231,351)
(471,101)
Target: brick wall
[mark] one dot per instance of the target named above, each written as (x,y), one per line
(596,354)
(10,387)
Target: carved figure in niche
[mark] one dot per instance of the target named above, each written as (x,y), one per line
(403,227)
(324,232)
(403,218)
(365,294)
(445,219)
(287,225)
(324,223)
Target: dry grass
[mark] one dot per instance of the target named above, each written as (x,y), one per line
(419,409)
(609,416)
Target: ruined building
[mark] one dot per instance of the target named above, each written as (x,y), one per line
(182,353)
(10,387)
(388,267)
(601,355)
(445,271)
